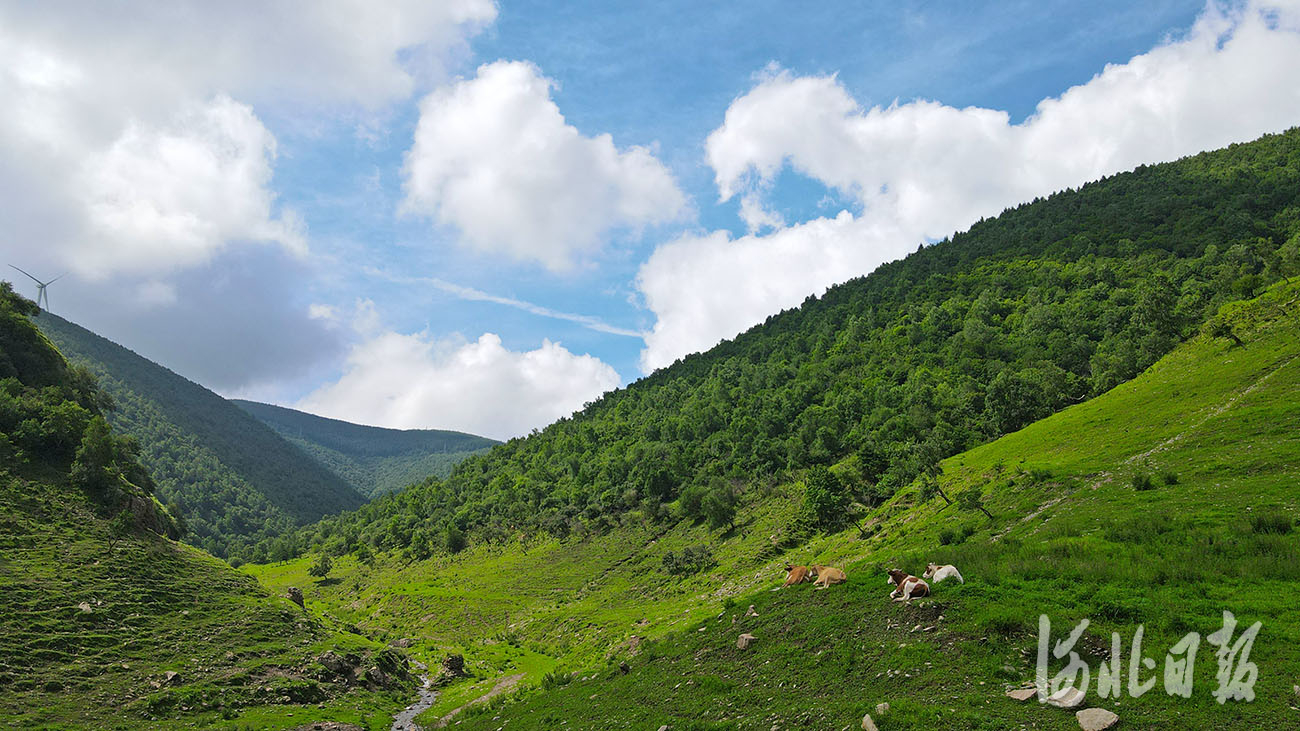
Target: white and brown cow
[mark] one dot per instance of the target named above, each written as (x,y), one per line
(937,573)
(906,586)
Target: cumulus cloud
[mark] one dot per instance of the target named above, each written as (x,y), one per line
(128,141)
(922,170)
(180,193)
(409,381)
(494,158)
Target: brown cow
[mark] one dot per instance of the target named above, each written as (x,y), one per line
(826,576)
(795,575)
(906,586)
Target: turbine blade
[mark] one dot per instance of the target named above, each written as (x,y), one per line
(34,279)
(52,281)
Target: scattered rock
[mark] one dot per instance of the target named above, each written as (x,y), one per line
(454,665)
(294,594)
(327,726)
(1022,694)
(1096,719)
(742,642)
(750,612)
(1068,697)
(171,677)
(868,724)
(882,709)
(403,643)
(663,727)
(337,665)
(85,607)
(623,668)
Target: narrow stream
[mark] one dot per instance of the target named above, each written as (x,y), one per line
(405,721)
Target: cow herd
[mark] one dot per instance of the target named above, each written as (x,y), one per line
(906,586)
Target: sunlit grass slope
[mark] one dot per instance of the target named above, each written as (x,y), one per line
(1213,430)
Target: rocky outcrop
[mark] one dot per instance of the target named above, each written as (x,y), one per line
(294,594)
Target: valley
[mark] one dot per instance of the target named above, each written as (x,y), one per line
(1088,404)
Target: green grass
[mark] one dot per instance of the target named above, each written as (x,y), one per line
(1071,537)
(244,657)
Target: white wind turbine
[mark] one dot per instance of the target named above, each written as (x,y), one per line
(42,299)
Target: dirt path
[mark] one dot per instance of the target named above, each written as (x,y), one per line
(503,685)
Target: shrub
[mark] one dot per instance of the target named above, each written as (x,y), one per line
(1142,481)
(719,505)
(1038,475)
(691,560)
(691,501)
(556,679)
(1169,477)
(1273,522)
(947,537)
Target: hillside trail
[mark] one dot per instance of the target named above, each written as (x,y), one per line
(503,685)
(1165,444)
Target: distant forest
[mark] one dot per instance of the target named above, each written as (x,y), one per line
(233,480)
(372,459)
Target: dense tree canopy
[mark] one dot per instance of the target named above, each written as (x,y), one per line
(1048,304)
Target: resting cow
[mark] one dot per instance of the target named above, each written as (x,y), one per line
(906,586)
(795,575)
(937,573)
(826,576)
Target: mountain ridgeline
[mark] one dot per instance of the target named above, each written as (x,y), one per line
(232,478)
(372,459)
(1049,304)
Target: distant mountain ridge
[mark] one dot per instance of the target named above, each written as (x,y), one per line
(374,460)
(234,479)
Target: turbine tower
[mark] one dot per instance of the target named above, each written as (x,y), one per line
(42,299)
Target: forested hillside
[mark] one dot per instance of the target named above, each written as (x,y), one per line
(1048,304)
(104,622)
(372,459)
(1180,483)
(233,480)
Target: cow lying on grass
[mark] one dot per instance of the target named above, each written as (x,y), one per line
(906,586)
(826,576)
(937,573)
(795,575)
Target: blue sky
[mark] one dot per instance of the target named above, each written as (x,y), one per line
(662,76)
(479,216)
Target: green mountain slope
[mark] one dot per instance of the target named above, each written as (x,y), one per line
(105,623)
(233,479)
(372,459)
(1161,503)
(1047,305)
(593,530)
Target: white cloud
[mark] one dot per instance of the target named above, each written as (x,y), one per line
(924,170)
(494,158)
(128,142)
(179,194)
(415,381)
